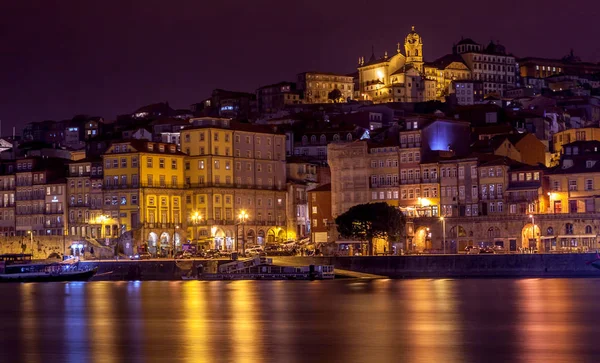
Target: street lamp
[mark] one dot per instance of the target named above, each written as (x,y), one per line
(243,217)
(532,229)
(443,232)
(196,217)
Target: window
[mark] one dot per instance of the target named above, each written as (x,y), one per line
(461,172)
(500,207)
(134,162)
(314,209)
(589,184)
(174,164)
(373,195)
(572,185)
(201,164)
(569,228)
(123,162)
(161,163)
(513,209)
(588,229)
(474,192)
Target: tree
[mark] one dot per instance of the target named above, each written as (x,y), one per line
(369,221)
(335,95)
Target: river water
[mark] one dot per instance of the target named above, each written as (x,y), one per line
(437,320)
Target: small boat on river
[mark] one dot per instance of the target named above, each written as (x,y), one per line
(20,268)
(262,268)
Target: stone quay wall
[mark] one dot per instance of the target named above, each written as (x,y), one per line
(435,266)
(43,246)
(440,266)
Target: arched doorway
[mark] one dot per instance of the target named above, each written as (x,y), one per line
(529,237)
(271,236)
(152,239)
(164,240)
(421,239)
(261,237)
(281,236)
(229,240)
(219,238)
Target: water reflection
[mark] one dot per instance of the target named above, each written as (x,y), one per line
(528,320)
(102,321)
(30,323)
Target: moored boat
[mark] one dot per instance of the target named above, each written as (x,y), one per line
(20,268)
(262,268)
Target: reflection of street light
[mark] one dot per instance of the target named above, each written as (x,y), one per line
(443,232)
(243,217)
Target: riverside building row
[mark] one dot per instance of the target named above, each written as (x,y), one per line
(485,199)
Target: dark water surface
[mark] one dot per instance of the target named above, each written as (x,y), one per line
(518,320)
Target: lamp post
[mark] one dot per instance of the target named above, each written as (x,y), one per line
(243,216)
(64,243)
(443,232)
(532,229)
(196,217)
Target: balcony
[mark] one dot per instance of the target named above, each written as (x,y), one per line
(430,180)
(409,181)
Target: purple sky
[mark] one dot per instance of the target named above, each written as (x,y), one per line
(60,58)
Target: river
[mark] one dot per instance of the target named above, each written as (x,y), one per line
(425,320)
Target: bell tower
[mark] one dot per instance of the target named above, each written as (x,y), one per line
(413,46)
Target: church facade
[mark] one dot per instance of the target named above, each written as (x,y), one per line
(397,78)
(405,77)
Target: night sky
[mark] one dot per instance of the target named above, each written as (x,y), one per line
(60,58)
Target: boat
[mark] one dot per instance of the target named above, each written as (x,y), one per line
(20,268)
(261,268)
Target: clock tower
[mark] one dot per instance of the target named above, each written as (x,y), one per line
(413,46)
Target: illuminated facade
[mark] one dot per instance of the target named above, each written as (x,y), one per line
(317,85)
(85,200)
(399,77)
(233,168)
(143,183)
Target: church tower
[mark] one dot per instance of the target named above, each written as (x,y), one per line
(413,46)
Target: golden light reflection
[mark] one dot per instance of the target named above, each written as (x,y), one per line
(432,340)
(547,311)
(30,322)
(246,329)
(102,321)
(195,323)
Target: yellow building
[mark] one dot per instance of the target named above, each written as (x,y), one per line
(317,85)
(143,184)
(234,168)
(444,70)
(574,183)
(571,135)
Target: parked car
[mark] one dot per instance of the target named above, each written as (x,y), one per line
(472,250)
(255,250)
(486,250)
